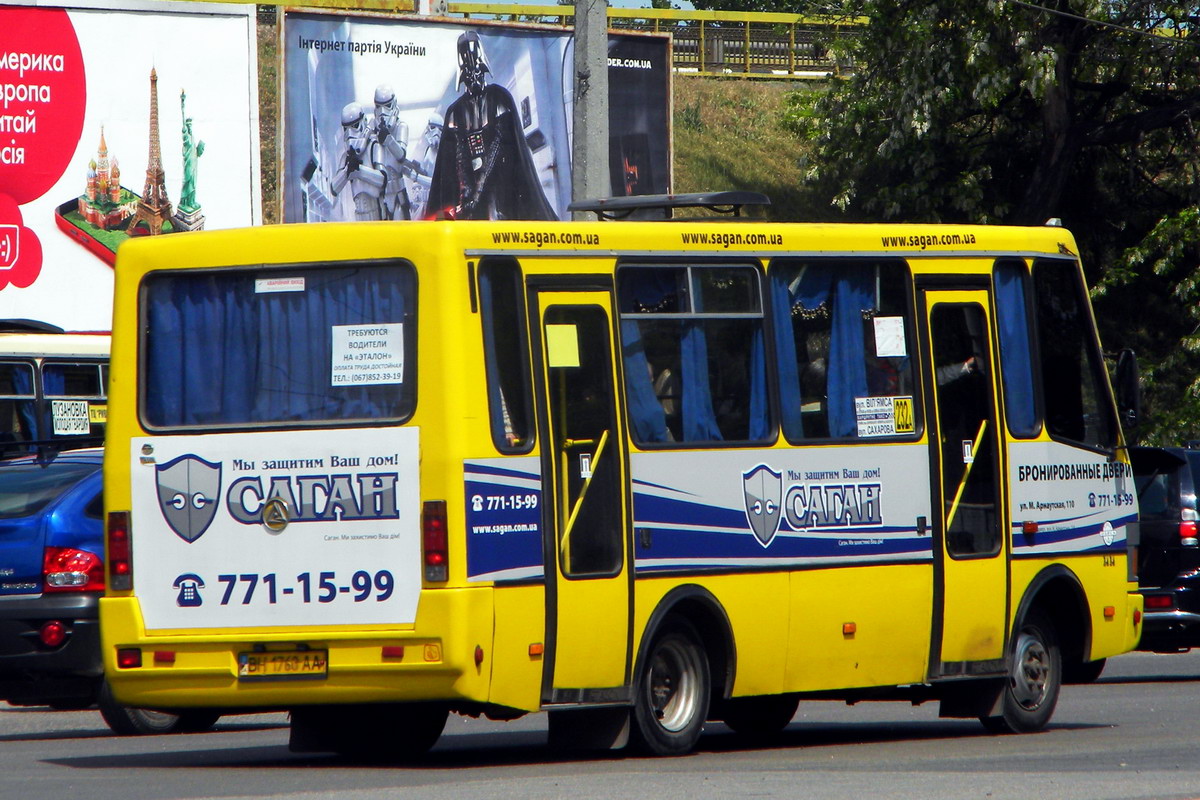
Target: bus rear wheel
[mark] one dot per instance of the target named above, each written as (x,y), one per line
(671,695)
(128,721)
(1034,680)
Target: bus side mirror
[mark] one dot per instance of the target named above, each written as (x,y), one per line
(1129,390)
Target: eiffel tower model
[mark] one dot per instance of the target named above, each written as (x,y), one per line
(154,208)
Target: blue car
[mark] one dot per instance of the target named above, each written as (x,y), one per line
(51,580)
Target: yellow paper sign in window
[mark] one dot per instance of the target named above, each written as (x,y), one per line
(562,346)
(906,421)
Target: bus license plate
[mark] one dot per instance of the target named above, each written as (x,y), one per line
(283,665)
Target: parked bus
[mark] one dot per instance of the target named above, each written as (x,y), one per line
(53,387)
(636,474)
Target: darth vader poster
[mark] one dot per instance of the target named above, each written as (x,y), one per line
(407,119)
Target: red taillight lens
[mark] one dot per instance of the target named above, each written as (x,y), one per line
(53,633)
(433,540)
(1187,532)
(65,569)
(120,563)
(129,658)
(1158,602)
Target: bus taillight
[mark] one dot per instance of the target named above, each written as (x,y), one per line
(433,540)
(120,563)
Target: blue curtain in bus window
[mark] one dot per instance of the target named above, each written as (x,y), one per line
(699,419)
(220,352)
(785,349)
(496,402)
(854,295)
(54,384)
(850,290)
(645,412)
(759,423)
(1013,319)
(658,288)
(26,409)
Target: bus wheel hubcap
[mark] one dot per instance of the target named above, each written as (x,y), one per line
(673,686)
(1031,671)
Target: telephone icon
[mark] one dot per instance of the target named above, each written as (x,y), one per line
(189,587)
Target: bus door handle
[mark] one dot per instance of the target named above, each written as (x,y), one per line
(565,547)
(922,526)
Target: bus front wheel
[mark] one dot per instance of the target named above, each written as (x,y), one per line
(671,695)
(1034,679)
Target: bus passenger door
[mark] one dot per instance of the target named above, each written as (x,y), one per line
(586,518)
(971,569)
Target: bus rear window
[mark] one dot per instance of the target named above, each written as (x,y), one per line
(309,344)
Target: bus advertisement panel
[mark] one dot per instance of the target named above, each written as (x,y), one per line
(117,120)
(403,118)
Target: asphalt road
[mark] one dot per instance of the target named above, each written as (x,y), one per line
(1133,734)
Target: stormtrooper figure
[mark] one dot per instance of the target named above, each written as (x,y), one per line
(484,168)
(356,168)
(389,154)
(426,160)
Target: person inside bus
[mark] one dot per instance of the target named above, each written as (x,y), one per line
(948,373)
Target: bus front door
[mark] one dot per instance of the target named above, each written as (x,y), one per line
(971,569)
(586,519)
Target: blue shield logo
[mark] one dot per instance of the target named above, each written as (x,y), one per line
(188,488)
(763,488)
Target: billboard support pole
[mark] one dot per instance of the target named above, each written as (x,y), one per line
(589,150)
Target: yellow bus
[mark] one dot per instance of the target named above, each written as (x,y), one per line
(640,475)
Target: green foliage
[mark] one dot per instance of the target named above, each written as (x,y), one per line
(764,6)
(1159,281)
(993,111)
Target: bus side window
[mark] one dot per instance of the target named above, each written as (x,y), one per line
(18,405)
(693,352)
(1011,282)
(842,335)
(75,381)
(1075,396)
(506,352)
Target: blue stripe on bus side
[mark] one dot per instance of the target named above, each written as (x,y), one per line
(504,532)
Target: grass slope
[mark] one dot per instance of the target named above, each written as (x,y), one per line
(728,136)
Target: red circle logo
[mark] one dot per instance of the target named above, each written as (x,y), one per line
(43,95)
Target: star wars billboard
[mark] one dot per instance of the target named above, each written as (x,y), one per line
(117,119)
(410,118)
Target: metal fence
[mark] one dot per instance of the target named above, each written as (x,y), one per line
(709,43)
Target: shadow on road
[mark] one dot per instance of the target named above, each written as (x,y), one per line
(529,748)
(102,731)
(1118,679)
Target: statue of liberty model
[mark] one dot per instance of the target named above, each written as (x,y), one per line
(188,216)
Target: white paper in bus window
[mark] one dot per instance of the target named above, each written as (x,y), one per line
(270,285)
(889,337)
(368,354)
(70,417)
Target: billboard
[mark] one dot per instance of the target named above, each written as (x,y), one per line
(117,119)
(412,118)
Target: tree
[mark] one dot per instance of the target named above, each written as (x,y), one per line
(1003,111)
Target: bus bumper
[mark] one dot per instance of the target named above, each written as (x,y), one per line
(445,656)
